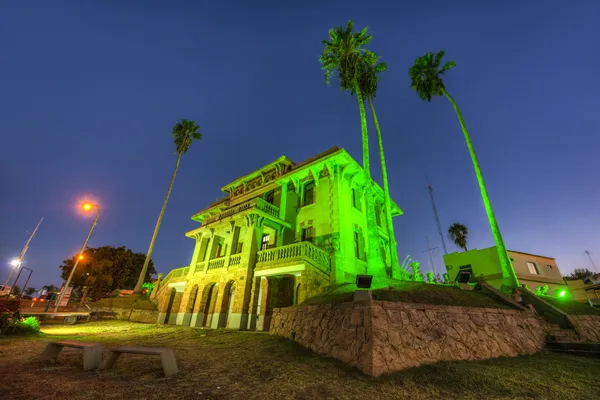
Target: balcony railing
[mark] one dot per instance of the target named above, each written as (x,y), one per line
(301,250)
(257,202)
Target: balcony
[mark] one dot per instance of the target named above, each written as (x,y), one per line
(218,263)
(298,252)
(253,204)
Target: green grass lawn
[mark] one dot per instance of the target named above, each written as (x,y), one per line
(414,292)
(245,365)
(139,302)
(571,306)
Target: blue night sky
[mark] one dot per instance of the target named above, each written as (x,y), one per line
(89,92)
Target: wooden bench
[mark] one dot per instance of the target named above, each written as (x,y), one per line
(167,357)
(92,352)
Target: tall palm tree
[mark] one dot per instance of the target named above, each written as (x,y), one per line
(426,76)
(458,234)
(368,82)
(344,55)
(184,133)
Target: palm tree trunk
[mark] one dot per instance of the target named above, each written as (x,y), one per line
(508,273)
(140,281)
(395,266)
(375,265)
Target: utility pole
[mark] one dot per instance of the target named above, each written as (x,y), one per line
(592,261)
(437,218)
(20,259)
(430,251)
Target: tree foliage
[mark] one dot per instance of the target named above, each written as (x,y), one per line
(29,291)
(458,234)
(426,75)
(105,269)
(579,273)
(184,133)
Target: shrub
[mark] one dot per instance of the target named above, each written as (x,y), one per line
(115,293)
(28,325)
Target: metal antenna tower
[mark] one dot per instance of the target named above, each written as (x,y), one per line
(437,218)
(430,251)
(592,261)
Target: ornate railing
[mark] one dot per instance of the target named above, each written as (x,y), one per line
(216,263)
(256,202)
(302,250)
(267,207)
(200,266)
(235,259)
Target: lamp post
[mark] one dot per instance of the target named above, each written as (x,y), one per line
(86,207)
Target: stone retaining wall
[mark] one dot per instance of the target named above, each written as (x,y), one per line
(380,337)
(588,326)
(128,314)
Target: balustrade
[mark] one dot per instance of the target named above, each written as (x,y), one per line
(304,250)
(257,203)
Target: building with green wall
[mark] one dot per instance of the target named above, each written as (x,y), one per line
(283,233)
(531,269)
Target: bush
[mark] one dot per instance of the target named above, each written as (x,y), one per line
(115,293)
(28,325)
(6,321)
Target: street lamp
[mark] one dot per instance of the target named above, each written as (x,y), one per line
(86,207)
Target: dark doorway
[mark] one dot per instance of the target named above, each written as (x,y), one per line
(170,305)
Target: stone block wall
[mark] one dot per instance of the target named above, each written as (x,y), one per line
(588,326)
(128,314)
(380,337)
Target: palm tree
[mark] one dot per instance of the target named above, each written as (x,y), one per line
(426,76)
(184,133)
(458,234)
(368,85)
(344,55)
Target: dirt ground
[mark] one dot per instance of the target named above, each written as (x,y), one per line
(244,365)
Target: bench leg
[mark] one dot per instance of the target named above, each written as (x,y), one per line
(110,361)
(92,357)
(51,352)
(168,363)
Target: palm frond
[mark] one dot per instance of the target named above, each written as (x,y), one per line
(426,75)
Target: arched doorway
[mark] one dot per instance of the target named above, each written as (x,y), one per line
(227,304)
(170,305)
(192,302)
(210,304)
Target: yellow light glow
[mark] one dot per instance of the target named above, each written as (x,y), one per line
(81,257)
(87,206)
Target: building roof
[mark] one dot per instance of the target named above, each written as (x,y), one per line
(287,169)
(531,254)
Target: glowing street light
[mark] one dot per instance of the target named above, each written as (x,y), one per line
(86,207)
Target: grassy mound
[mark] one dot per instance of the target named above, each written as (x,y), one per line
(137,302)
(412,292)
(571,306)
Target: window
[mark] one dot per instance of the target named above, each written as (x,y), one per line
(532,268)
(355,199)
(309,194)
(308,234)
(270,197)
(218,251)
(549,266)
(378,215)
(466,268)
(240,246)
(356,245)
(265,242)
(512,259)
